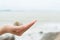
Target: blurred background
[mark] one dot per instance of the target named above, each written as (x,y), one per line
(46,12)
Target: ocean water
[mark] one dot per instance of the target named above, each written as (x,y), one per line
(46,22)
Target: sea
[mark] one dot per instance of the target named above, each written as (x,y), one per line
(46,22)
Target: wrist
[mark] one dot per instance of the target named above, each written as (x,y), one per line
(2,30)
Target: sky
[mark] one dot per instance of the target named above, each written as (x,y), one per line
(30,4)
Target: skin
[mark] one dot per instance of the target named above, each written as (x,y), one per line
(16,30)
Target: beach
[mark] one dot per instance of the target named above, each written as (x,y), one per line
(45,23)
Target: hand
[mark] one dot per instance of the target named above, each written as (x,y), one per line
(18,30)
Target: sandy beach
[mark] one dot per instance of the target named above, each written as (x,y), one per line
(46,23)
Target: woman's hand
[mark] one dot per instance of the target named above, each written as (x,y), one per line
(18,30)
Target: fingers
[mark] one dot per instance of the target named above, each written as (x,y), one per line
(23,28)
(27,26)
